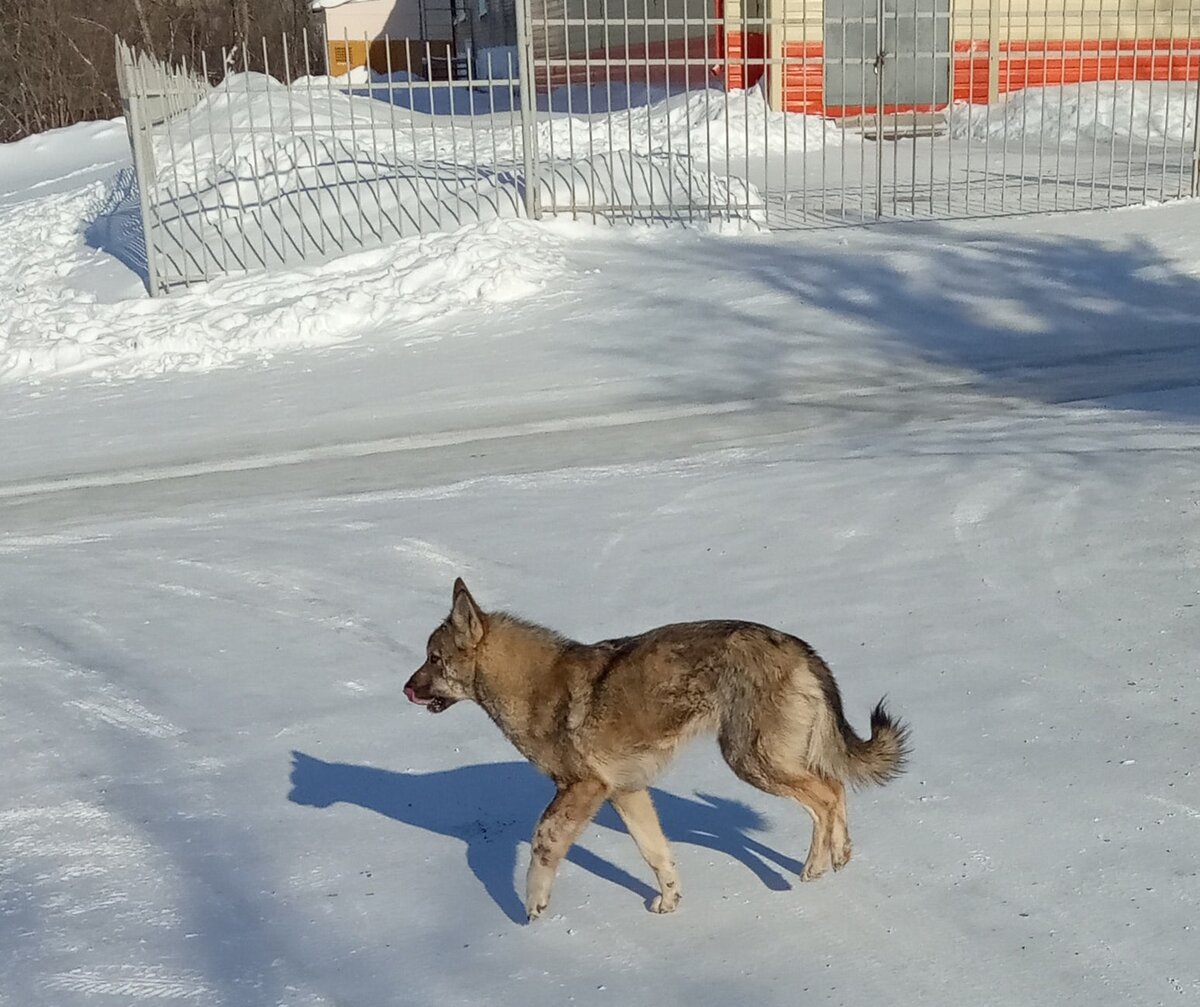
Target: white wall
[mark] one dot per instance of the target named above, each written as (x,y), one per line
(395,18)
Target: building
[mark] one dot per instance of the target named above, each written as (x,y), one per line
(971,50)
(814,56)
(431,38)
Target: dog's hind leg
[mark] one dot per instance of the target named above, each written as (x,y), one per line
(815,793)
(560,825)
(637,812)
(820,800)
(839,832)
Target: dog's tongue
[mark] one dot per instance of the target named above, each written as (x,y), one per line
(412,696)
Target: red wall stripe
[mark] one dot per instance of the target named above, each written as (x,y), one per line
(738,60)
(1036,63)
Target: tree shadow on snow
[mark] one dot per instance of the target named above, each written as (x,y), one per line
(1057,319)
(493,807)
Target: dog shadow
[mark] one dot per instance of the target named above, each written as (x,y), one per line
(493,807)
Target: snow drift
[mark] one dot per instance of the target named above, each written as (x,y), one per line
(1145,112)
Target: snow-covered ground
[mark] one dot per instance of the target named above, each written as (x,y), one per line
(959,459)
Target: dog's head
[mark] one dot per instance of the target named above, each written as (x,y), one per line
(448,673)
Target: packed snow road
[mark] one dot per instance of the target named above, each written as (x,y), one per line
(961,461)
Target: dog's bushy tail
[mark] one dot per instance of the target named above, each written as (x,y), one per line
(881,758)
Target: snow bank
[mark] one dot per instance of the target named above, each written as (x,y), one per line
(309,172)
(338,159)
(49,327)
(405,123)
(705,124)
(620,180)
(33,164)
(254,140)
(355,75)
(1115,110)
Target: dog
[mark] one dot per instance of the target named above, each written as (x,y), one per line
(602,720)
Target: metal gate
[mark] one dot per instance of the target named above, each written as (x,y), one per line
(881,53)
(889,63)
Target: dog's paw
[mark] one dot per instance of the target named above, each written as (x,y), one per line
(665,903)
(841,857)
(811,871)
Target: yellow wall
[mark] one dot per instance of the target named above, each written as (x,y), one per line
(1015,19)
(373,18)
(1074,19)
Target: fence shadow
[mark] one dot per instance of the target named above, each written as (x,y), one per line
(492,809)
(115,227)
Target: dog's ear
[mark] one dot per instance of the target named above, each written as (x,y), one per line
(466,618)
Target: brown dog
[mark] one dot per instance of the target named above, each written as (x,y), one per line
(603,719)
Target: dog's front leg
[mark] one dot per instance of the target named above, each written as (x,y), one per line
(637,812)
(560,825)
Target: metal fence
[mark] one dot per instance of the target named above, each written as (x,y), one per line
(791,113)
(254,173)
(851,111)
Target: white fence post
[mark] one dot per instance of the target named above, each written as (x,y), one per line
(528,99)
(142,149)
(1196,142)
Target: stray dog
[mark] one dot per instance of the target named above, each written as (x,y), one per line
(603,719)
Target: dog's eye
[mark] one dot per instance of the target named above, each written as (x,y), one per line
(434,659)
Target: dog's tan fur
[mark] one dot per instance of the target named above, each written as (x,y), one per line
(603,720)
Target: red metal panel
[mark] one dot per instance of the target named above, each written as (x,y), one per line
(739,60)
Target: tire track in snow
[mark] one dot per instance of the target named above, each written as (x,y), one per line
(128,714)
(295,583)
(131,983)
(367,448)
(84,690)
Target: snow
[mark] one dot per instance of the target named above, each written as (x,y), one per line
(960,459)
(28,166)
(58,318)
(53,329)
(1146,111)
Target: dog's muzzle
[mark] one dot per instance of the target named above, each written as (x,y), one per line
(418,690)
